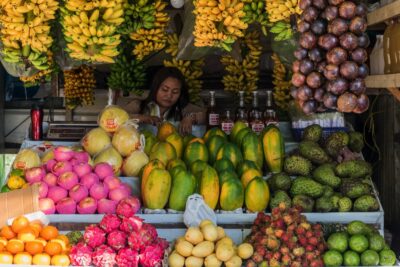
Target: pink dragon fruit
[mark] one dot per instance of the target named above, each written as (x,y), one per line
(116,239)
(109,223)
(151,256)
(131,224)
(127,257)
(94,236)
(81,255)
(104,256)
(128,207)
(162,242)
(142,238)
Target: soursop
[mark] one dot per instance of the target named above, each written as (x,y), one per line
(336,142)
(305,202)
(353,169)
(345,204)
(324,204)
(279,197)
(356,141)
(366,203)
(297,165)
(306,186)
(313,152)
(312,133)
(279,181)
(325,174)
(354,188)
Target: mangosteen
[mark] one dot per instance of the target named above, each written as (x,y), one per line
(358,25)
(331,72)
(336,56)
(349,41)
(298,79)
(347,102)
(349,70)
(306,66)
(338,26)
(347,10)
(328,41)
(308,40)
(338,86)
(314,80)
(300,53)
(330,13)
(358,86)
(359,55)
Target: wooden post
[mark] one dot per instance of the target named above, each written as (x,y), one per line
(2,104)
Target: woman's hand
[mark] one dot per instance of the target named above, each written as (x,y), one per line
(147,119)
(185,127)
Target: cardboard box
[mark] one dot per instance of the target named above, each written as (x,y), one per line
(18,202)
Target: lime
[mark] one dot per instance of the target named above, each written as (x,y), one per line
(333,258)
(5,189)
(358,243)
(356,227)
(17,172)
(338,241)
(387,257)
(369,258)
(351,258)
(376,242)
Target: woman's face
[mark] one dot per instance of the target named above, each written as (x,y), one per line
(169,92)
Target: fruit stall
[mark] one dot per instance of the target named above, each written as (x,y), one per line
(299,181)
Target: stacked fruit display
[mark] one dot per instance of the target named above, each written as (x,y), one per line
(359,245)
(25,32)
(89,29)
(285,238)
(209,246)
(281,83)
(26,243)
(255,13)
(330,177)
(218,24)
(120,239)
(243,76)
(330,68)
(79,85)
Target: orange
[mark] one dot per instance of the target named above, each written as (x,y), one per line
(41,259)
(34,247)
(23,258)
(14,246)
(64,238)
(41,240)
(27,234)
(49,232)
(61,242)
(7,232)
(3,241)
(6,258)
(60,260)
(1,247)
(19,223)
(53,248)
(37,227)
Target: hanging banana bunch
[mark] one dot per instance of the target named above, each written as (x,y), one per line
(218,23)
(89,29)
(192,70)
(79,86)
(243,76)
(255,13)
(152,39)
(138,14)
(25,31)
(281,83)
(42,75)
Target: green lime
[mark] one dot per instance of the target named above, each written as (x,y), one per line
(387,257)
(376,242)
(17,172)
(369,258)
(338,241)
(358,243)
(351,258)
(333,258)
(356,227)
(5,189)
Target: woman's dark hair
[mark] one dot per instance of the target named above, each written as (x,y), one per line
(159,78)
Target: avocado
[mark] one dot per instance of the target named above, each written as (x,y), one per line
(313,152)
(356,142)
(353,169)
(336,142)
(297,165)
(279,181)
(312,133)
(325,174)
(279,197)
(306,186)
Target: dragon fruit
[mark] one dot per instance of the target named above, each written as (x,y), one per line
(128,207)
(162,242)
(127,257)
(104,256)
(131,224)
(116,239)
(81,255)
(151,256)
(94,236)
(142,238)
(109,223)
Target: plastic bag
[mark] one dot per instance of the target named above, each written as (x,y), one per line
(18,69)
(126,138)
(197,210)
(112,117)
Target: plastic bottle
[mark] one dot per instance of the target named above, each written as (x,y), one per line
(377,62)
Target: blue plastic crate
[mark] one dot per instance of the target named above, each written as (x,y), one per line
(298,132)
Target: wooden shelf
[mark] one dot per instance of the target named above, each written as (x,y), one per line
(389,81)
(384,13)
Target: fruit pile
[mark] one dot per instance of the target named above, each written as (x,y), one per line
(16,180)
(25,31)
(209,246)
(359,245)
(26,243)
(243,76)
(79,85)
(280,82)
(330,68)
(330,174)
(285,238)
(120,239)
(218,23)
(254,13)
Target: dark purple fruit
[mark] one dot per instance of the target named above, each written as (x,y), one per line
(296,66)
(298,79)
(318,27)
(321,107)
(314,80)
(303,4)
(347,10)
(304,93)
(320,4)
(338,86)
(330,13)
(349,70)
(328,41)
(319,94)
(348,41)
(330,101)
(338,26)
(310,14)
(358,86)
(331,72)
(309,107)
(363,40)
(336,56)
(362,104)
(358,25)
(316,54)
(335,2)
(306,66)
(308,40)
(347,102)
(321,66)
(361,10)
(303,26)
(363,71)
(293,91)
(359,55)
(300,53)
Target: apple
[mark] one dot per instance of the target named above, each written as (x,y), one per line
(56,193)
(34,174)
(66,206)
(88,205)
(67,180)
(106,206)
(98,191)
(63,153)
(47,206)
(78,192)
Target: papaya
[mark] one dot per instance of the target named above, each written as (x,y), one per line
(274,148)
(195,151)
(164,130)
(175,162)
(245,165)
(256,195)
(163,151)
(197,166)
(214,143)
(187,139)
(227,175)
(147,169)
(249,175)
(231,152)
(223,164)
(215,131)
(156,189)
(177,142)
(151,140)
(209,186)
(252,149)
(197,139)
(183,185)
(176,169)
(232,195)
(240,136)
(239,125)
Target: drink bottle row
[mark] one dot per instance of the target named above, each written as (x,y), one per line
(253,117)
